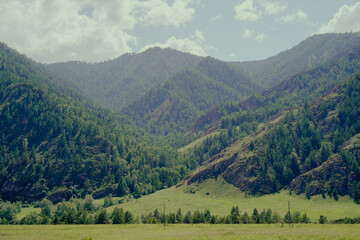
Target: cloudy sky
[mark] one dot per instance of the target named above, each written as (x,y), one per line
(231,30)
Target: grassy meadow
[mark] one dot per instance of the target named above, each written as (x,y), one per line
(180,231)
(219,197)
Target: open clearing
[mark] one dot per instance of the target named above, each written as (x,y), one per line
(219,197)
(180,231)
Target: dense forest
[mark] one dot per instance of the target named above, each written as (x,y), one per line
(54,143)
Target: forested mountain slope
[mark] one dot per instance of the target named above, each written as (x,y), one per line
(177,103)
(308,54)
(293,92)
(313,149)
(54,143)
(118,82)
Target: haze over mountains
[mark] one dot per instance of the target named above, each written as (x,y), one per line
(306,55)
(117,83)
(289,121)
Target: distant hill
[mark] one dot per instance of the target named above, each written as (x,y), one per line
(176,104)
(310,53)
(55,143)
(118,82)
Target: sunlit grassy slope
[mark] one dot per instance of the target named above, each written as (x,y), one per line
(196,143)
(219,197)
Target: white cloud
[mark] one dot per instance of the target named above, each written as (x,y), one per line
(199,35)
(272,8)
(251,10)
(193,44)
(246,33)
(249,34)
(217,17)
(53,30)
(347,19)
(159,12)
(300,15)
(246,11)
(259,38)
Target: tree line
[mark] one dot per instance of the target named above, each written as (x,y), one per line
(86,211)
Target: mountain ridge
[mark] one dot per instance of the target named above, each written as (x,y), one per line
(197,88)
(118,82)
(311,52)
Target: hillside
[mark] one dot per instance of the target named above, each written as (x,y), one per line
(233,121)
(219,197)
(312,150)
(118,82)
(54,143)
(310,53)
(177,103)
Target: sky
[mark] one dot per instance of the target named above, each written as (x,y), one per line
(231,30)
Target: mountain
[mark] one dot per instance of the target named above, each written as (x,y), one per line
(55,143)
(312,149)
(117,83)
(176,104)
(309,54)
(301,134)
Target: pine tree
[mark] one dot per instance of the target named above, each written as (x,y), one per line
(102,217)
(307,192)
(118,216)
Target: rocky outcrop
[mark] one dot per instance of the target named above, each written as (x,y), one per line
(331,174)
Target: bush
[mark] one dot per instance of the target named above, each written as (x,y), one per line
(322,219)
(8,212)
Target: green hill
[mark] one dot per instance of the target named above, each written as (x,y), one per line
(312,150)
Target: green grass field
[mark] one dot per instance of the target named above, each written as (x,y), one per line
(219,197)
(181,231)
